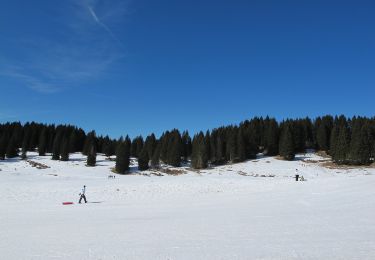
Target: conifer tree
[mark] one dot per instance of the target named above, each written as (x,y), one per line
(12,150)
(143,160)
(241,147)
(232,145)
(272,138)
(186,145)
(65,149)
(150,144)
(122,157)
(342,145)
(24,150)
(333,140)
(155,159)
(72,142)
(42,147)
(199,157)
(56,146)
(91,157)
(174,149)
(286,145)
(3,146)
(360,149)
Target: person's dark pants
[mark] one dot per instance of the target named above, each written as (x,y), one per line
(297,176)
(82,197)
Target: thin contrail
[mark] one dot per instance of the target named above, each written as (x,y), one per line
(97,20)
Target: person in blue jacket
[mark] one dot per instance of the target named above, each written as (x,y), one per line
(82,194)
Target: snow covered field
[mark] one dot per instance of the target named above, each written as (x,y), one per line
(229,212)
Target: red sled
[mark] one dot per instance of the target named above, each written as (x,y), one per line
(67,203)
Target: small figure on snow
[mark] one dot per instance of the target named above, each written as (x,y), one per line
(82,195)
(297,175)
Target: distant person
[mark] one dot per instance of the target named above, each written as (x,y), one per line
(82,194)
(297,175)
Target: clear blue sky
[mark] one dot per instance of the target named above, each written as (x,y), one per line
(135,67)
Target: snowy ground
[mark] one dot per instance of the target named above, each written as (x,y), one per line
(229,212)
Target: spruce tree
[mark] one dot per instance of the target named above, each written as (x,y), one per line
(65,150)
(155,159)
(360,150)
(174,149)
(42,147)
(241,146)
(286,145)
(342,145)
(91,157)
(122,157)
(143,160)
(72,142)
(56,146)
(272,138)
(150,144)
(199,157)
(12,150)
(3,146)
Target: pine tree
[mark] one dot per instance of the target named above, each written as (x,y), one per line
(199,157)
(342,145)
(42,147)
(143,160)
(241,147)
(232,145)
(72,142)
(12,150)
(150,144)
(155,159)
(3,146)
(360,150)
(272,138)
(122,157)
(286,145)
(91,157)
(56,146)
(65,150)
(174,149)
(186,145)
(24,151)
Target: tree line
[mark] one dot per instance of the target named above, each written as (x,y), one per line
(346,140)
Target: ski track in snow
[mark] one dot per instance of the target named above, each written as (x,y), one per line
(221,213)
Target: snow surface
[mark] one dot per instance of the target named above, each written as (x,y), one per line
(228,212)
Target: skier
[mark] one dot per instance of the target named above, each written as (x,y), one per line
(83,195)
(297,175)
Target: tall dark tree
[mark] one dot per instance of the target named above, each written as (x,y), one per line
(199,156)
(186,145)
(150,145)
(42,147)
(3,146)
(155,159)
(57,146)
(143,160)
(122,157)
(12,150)
(342,145)
(286,145)
(65,149)
(91,157)
(272,138)
(137,146)
(360,149)
(174,150)
(241,146)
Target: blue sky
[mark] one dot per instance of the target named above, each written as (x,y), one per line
(135,67)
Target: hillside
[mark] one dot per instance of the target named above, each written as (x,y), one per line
(251,210)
